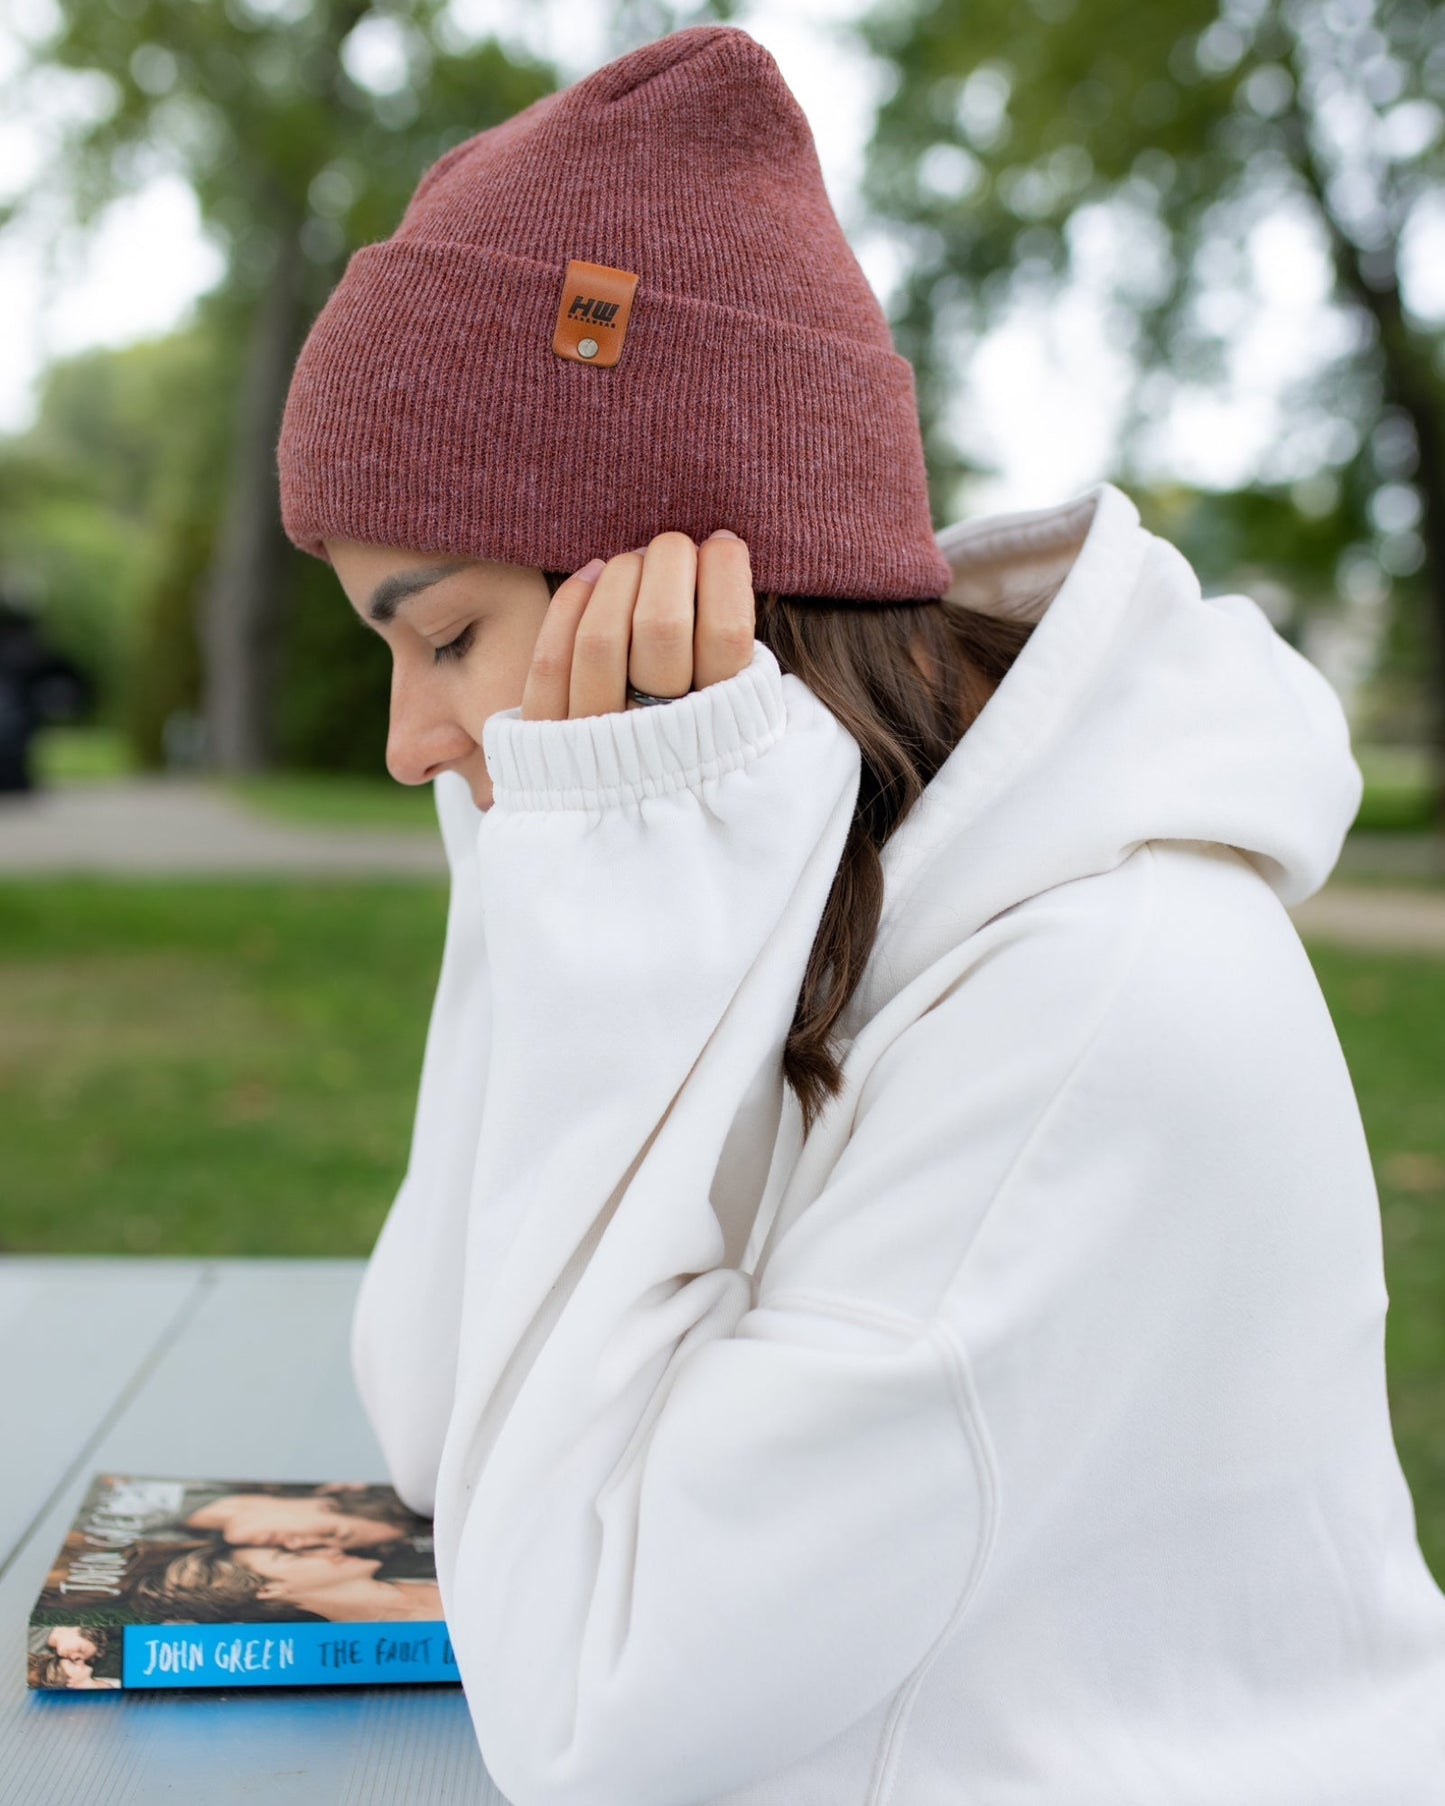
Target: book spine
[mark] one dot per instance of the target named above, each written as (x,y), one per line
(306,1654)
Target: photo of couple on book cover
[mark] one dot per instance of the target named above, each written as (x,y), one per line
(170,1551)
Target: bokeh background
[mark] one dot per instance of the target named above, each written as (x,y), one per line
(1196,248)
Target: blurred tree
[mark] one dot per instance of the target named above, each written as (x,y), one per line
(334,708)
(302,126)
(190,447)
(82,492)
(1191,127)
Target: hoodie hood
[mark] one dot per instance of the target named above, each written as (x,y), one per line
(1139,710)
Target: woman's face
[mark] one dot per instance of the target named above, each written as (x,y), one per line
(486,616)
(293,1572)
(71,1644)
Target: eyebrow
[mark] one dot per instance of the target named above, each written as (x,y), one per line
(392,591)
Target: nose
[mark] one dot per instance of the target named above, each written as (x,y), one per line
(424,737)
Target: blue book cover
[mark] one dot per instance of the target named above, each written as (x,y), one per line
(165,1582)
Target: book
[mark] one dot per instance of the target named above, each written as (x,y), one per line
(165,1582)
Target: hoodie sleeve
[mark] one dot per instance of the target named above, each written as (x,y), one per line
(656,1497)
(404,1334)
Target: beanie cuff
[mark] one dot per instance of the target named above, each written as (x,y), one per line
(428,411)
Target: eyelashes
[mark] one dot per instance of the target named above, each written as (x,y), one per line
(455,649)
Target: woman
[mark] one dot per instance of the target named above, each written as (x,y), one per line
(886,1301)
(214,1583)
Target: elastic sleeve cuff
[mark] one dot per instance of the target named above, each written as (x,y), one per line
(600,761)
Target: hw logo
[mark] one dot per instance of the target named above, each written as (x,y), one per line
(596,313)
(593,296)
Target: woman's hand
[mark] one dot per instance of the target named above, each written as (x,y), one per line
(672,617)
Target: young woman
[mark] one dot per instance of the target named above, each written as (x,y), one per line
(886,1301)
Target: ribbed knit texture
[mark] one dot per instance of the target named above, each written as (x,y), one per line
(611,759)
(758,387)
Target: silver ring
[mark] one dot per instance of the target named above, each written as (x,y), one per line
(641,696)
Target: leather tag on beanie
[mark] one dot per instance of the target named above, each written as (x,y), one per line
(593,313)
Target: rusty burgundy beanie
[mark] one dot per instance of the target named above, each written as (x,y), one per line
(629,308)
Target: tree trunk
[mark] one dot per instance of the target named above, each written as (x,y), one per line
(1411,386)
(240,617)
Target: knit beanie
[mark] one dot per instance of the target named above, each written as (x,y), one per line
(629,308)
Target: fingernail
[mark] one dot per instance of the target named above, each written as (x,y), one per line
(640,550)
(592,570)
(723,533)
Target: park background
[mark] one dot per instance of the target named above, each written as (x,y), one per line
(1197,249)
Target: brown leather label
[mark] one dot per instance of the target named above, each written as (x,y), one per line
(593,313)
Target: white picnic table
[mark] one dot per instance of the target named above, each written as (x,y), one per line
(233,1369)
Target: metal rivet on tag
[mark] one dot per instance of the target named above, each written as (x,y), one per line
(593,308)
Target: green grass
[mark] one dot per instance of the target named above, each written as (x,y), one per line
(224,1068)
(1347,878)
(327,800)
(209,1067)
(1389,1011)
(1398,794)
(79,755)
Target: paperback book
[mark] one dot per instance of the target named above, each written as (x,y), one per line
(239,1583)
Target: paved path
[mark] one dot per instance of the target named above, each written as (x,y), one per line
(170,826)
(1393,856)
(1374,918)
(173,826)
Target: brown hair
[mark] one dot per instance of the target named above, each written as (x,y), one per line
(202,1584)
(43,1668)
(861,660)
(858,659)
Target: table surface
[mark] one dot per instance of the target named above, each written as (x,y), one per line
(227,1368)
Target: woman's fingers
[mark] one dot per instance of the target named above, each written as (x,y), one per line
(549,677)
(726,611)
(672,617)
(599,649)
(660,663)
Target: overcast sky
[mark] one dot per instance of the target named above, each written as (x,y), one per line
(1045,390)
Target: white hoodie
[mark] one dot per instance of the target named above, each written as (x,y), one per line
(1021,1438)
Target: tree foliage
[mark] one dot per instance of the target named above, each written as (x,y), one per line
(109,495)
(280,114)
(1188,127)
(302,126)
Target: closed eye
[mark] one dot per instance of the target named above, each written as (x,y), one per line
(457,648)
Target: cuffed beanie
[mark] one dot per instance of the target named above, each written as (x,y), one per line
(717,358)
